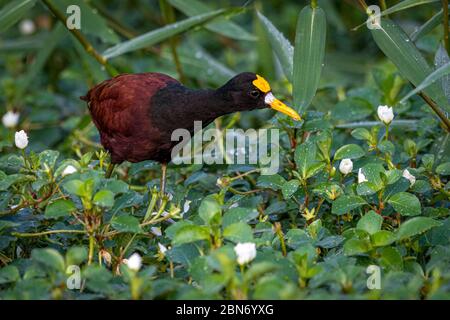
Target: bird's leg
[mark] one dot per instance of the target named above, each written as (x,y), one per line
(110,170)
(163,178)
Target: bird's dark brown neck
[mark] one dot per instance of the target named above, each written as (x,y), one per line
(176,106)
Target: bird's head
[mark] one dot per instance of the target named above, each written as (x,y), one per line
(250,91)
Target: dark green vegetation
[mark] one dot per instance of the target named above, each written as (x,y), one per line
(316,230)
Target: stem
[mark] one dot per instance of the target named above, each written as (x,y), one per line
(38,234)
(445,25)
(281,238)
(386,136)
(82,39)
(437,110)
(91,248)
(383,5)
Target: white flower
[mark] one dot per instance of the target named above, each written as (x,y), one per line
(156,231)
(134,262)
(409,177)
(346,166)
(21,139)
(245,252)
(385,114)
(162,248)
(186,206)
(68,170)
(361,176)
(27,27)
(10,119)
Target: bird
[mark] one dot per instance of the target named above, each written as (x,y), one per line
(136,113)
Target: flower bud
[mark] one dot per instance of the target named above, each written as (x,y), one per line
(245,252)
(10,119)
(21,139)
(407,175)
(386,114)
(346,166)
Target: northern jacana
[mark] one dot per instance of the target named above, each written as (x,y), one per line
(137,113)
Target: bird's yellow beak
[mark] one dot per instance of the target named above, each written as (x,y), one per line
(276,104)
(273,102)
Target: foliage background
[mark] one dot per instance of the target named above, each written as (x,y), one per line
(316,230)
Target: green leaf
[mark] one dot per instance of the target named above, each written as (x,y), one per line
(289,188)
(126,223)
(190,233)
(280,45)
(396,45)
(390,258)
(350,151)
(221,26)
(406,204)
(356,246)
(234,215)
(9,274)
(104,198)
(308,55)
(210,211)
(370,222)
(238,232)
(48,157)
(443,169)
(13,11)
(305,157)
(60,208)
(49,258)
(429,80)
(344,204)
(361,134)
(405,4)
(382,238)
(76,255)
(416,226)
(75,187)
(273,181)
(432,23)
(161,34)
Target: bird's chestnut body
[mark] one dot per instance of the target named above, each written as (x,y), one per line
(137,113)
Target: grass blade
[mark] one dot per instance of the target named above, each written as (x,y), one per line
(406,4)
(396,45)
(432,23)
(221,26)
(161,34)
(431,79)
(280,45)
(308,55)
(13,11)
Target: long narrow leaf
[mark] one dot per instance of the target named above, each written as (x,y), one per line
(396,45)
(13,11)
(161,34)
(308,55)
(406,4)
(431,79)
(221,26)
(432,23)
(441,58)
(280,45)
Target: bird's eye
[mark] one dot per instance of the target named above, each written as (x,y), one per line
(254,93)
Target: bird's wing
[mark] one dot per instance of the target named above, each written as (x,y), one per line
(119,106)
